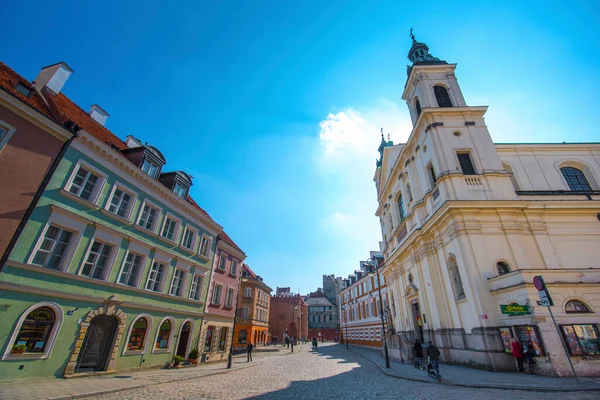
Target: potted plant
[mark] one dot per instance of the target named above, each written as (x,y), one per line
(18,349)
(193,356)
(177,360)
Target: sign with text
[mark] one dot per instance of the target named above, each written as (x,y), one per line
(515,309)
(543,294)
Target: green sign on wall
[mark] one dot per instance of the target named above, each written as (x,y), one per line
(515,309)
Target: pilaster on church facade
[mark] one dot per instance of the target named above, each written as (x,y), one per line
(467,223)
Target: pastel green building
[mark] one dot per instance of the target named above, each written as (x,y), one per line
(112,268)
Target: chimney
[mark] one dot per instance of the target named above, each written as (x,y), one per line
(53,77)
(98,114)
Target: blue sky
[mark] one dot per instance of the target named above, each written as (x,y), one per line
(275,106)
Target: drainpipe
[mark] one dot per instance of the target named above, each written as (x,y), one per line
(35,200)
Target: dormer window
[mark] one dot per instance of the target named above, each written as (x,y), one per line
(180,190)
(150,168)
(24,90)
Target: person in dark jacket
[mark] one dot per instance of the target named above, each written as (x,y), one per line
(249,351)
(517,352)
(434,356)
(529,358)
(418,349)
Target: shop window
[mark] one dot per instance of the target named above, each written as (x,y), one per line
(36,331)
(209,336)
(576,307)
(163,336)
(137,336)
(222,339)
(242,336)
(530,335)
(582,340)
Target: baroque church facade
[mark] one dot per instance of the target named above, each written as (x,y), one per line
(467,223)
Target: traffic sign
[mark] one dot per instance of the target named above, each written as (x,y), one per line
(543,294)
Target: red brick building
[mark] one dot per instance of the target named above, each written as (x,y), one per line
(288,313)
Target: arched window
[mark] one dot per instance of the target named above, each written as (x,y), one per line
(576,306)
(137,334)
(163,337)
(502,268)
(576,179)
(242,336)
(418,107)
(442,96)
(459,291)
(35,331)
(401,208)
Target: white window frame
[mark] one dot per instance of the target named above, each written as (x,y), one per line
(232,291)
(175,231)
(222,259)
(194,246)
(58,313)
(148,334)
(130,208)
(198,287)
(163,278)
(209,241)
(158,209)
(237,266)
(247,313)
(183,282)
(249,289)
(110,260)
(68,251)
(10,131)
(99,186)
(107,238)
(140,272)
(146,159)
(212,296)
(170,340)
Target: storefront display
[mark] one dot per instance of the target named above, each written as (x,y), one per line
(582,340)
(530,334)
(507,336)
(35,331)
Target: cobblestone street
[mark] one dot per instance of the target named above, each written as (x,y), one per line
(333,373)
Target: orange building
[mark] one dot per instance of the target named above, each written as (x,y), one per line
(252,320)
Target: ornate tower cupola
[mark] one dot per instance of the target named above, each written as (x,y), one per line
(419,55)
(382,146)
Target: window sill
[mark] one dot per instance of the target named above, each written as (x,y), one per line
(145,230)
(232,275)
(160,351)
(25,356)
(133,352)
(219,270)
(78,199)
(187,250)
(203,257)
(215,304)
(169,241)
(461,300)
(228,308)
(122,220)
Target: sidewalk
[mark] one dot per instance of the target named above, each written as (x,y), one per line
(454,375)
(56,389)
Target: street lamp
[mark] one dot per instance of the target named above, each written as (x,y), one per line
(373,265)
(230,356)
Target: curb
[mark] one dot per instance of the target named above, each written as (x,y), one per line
(137,386)
(476,386)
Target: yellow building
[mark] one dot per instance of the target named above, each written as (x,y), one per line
(468,223)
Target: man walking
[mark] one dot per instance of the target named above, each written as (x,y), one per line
(249,351)
(517,352)
(292,343)
(434,356)
(418,348)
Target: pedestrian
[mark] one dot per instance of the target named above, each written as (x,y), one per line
(418,349)
(249,351)
(292,343)
(517,352)
(287,342)
(434,356)
(314,344)
(529,357)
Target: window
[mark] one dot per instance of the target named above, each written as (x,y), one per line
(155,276)
(24,90)
(229,299)
(401,208)
(137,336)
(120,203)
(97,260)
(418,107)
(6,132)
(247,292)
(180,190)
(188,239)
(242,336)
(35,332)
(150,168)
(431,176)
(234,267)
(53,248)
(204,246)
(466,165)
(148,217)
(459,291)
(222,261)
(209,336)
(244,313)
(582,340)
(576,306)
(169,227)
(576,179)
(84,184)
(196,287)
(164,336)
(502,268)
(222,339)
(131,269)
(216,297)
(177,284)
(442,96)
